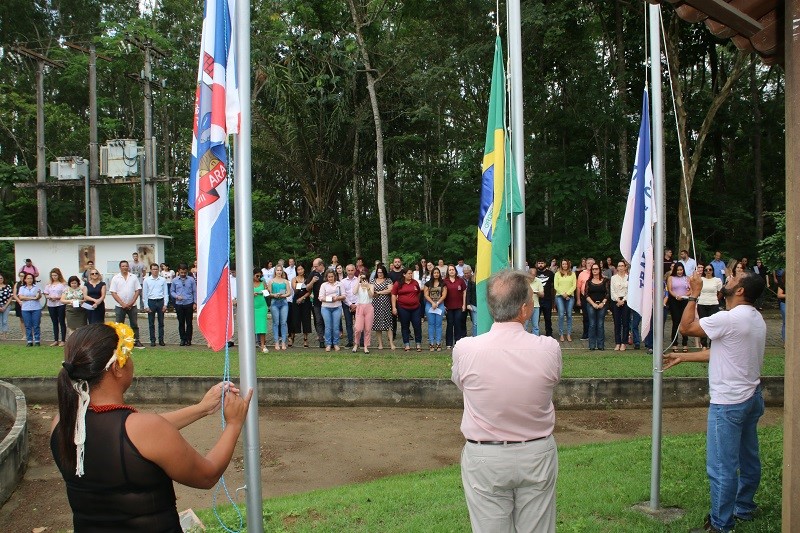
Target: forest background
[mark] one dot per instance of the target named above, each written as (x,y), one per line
(314,125)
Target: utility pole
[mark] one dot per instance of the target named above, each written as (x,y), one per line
(148,171)
(41,178)
(92,194)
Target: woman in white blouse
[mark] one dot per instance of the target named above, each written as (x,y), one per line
(365,313)
(619,306)
(708,301)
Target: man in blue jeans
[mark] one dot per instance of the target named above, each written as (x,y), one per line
(734,366)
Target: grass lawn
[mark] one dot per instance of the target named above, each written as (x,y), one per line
(597,486)
(20,361)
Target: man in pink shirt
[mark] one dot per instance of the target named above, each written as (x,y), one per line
(509,463)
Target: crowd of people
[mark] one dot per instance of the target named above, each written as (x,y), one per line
(80,299)
(355,301)
(346,304)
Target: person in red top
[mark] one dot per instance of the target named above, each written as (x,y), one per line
(406,305)
(456,304)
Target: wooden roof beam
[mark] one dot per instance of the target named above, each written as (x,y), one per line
(767,40)
(755,9)
(726,14)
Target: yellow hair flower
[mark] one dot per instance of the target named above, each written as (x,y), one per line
(124,344)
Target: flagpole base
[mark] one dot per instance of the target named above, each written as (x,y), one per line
(665,515)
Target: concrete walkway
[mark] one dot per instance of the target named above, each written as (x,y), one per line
(171,337)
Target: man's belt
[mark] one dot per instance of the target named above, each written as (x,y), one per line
(504,442)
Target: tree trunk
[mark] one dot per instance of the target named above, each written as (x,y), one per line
(622,97)
(167,165)
(757,173)
(426,191)
(376,114)
(690,164)
(356,206)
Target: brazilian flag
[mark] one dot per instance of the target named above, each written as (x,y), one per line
(500,198)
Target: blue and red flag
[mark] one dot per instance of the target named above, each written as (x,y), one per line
(217,115)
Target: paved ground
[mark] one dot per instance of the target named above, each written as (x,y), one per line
(171,336)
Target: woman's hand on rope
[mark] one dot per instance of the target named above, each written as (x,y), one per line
(235,406)
(212,400)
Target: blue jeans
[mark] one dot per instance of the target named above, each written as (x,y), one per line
(564,307)
(733,446)
(533,323)
(156,312)
(636,322)
(473,316)
(434,324)
(31,319)
(453,333)
(280,315)
(597,330)
(408,318)
(782,307)
(332,317)
(4,317)
(622,321)
(58,315)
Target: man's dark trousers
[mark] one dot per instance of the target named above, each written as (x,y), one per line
(348,322)
(546,310)
(156,311)
(185,313)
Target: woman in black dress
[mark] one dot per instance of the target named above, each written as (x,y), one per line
(119,476)
(382,302)
(301,307)
(96,296)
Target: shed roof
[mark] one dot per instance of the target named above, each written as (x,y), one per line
(752,25)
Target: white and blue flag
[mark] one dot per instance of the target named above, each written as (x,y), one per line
(636,241)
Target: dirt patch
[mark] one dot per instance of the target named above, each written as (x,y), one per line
(307,448)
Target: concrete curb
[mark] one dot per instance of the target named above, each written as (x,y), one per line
(430,393)
(14,448)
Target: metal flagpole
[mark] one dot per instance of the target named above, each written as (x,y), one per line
(517,129)
(658,243)
(243,210)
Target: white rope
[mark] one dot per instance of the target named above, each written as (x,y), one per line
(680,147)
(497,18)
(646,50)
(82,388)
(507,130)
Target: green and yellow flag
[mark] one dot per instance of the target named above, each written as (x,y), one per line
(500,198)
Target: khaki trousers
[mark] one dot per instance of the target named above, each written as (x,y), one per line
(512,487)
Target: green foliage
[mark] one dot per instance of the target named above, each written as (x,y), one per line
(181,249)
(582,81)
(772,249)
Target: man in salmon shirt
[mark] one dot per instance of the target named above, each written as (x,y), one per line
(509,463)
